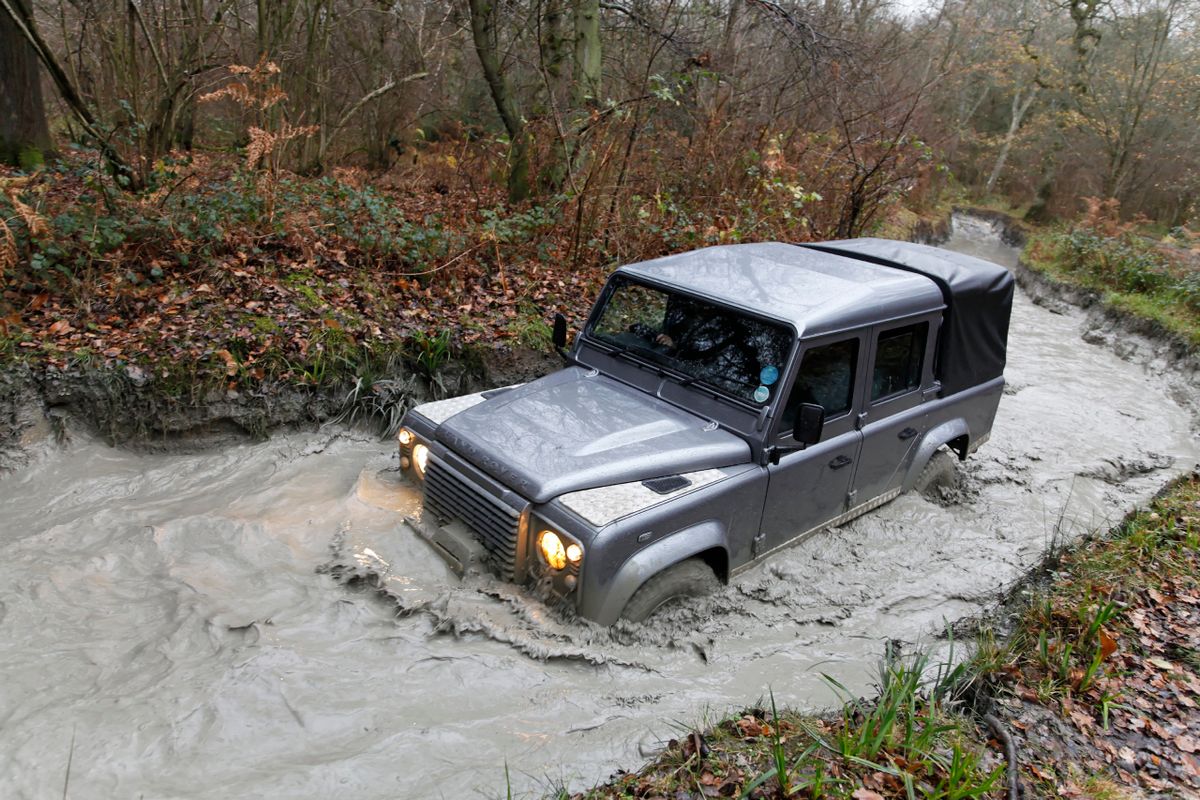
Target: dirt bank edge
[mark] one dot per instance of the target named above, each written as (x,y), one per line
(128,408)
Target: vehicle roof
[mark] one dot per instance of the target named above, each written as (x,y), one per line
(817,292)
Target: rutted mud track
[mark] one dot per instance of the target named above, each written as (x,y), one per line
(175,615)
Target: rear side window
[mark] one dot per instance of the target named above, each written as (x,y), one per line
(898,360)
(826,378)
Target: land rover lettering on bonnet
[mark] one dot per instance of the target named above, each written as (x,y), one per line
(717,405)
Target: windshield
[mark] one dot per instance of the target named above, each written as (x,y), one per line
(733,352)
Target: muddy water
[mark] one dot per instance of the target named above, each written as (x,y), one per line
(168,624)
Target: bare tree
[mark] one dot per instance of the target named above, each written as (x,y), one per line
(24,134)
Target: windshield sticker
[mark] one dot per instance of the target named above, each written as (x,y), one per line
(761,394)
(769,375)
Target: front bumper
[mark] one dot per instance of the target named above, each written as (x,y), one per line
(455,543)
(477,524)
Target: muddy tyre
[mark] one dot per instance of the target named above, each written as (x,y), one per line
(939,472)
(691,578)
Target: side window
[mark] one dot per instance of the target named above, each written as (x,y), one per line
(898,360)
(826,378)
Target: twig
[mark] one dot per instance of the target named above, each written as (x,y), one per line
(1010,753)
(70,758)
(440,266)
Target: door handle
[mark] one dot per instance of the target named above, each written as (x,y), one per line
(840,461)
(908,433)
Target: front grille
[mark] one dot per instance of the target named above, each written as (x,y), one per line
(495,524)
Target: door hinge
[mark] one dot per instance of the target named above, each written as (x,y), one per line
(850,495)
(860,421)
(757,544)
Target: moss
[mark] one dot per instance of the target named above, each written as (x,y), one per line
(30,159)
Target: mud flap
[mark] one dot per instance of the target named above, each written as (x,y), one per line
(454,542)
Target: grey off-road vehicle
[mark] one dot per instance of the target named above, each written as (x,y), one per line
(718,405)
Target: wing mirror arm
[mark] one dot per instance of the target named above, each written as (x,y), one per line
(559,338)
(810,424)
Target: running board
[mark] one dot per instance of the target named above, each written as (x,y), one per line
(841,519)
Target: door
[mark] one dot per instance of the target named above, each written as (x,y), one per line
(807,488)
(894,420)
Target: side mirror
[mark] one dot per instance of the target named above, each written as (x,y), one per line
(559,337)
(810,421)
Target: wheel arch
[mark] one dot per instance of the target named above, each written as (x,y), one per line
(954,433)
(706,540)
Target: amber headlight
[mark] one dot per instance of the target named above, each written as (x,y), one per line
(421,459)
(552,549)
(406,437)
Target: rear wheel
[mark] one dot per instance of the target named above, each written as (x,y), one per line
(687,579)
(939,471)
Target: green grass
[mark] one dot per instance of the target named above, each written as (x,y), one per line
(1127,273)
(908,742)
(1066,631)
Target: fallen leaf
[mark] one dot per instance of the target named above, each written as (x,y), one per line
(231,365)
(866,794)
(1108,645)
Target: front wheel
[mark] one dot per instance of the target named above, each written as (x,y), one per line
(687,579)
(941,471)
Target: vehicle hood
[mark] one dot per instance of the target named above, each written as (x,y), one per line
(576,429)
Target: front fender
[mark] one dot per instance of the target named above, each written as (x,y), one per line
(935,438)
(605,606)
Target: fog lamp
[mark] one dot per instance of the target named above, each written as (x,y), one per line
(552,549)
(421,458)
(574,553)
(406,437)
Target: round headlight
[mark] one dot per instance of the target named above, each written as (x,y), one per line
(421,458)
(552,549)
(574,553)
(406,437)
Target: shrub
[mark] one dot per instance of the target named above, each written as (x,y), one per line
(1124,262)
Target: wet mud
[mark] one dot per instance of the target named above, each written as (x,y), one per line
(257,621)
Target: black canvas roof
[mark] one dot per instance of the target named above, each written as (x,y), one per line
(978,296)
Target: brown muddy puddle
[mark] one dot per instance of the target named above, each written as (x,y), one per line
(169,614)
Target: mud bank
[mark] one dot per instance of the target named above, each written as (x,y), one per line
(131,408)
(178,616)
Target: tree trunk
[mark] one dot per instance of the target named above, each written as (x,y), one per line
(585,85)
(1018,113)
(554,46)
(1085,38)
(24,135)
(19,15)
(483,33)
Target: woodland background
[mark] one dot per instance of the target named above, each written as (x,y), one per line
(296,187)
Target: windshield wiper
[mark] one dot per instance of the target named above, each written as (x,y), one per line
(635,359)
(717,393)
(630,354)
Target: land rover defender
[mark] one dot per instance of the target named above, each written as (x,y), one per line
(716,406)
